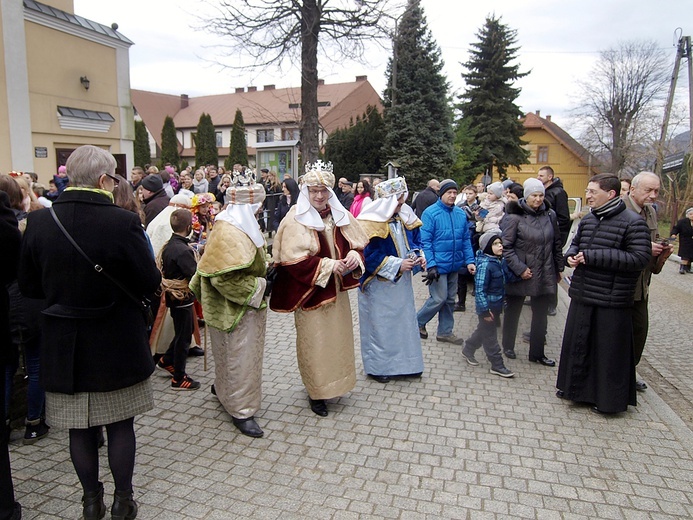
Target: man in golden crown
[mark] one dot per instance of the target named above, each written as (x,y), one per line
(318,255)
(230,283)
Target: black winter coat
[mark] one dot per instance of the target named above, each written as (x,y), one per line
(10,238)
(423,200)
(94,336)
(531,239)
(557,198)
(684,230)
(616,249)
(178,263)
(154,205)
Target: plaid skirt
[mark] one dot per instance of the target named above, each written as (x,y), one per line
(86,409)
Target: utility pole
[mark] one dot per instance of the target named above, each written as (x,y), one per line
(683,51)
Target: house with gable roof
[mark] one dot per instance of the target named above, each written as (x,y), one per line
(550,145)
(271,116)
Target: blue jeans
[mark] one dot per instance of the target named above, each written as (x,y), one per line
(441,302)
(35,394)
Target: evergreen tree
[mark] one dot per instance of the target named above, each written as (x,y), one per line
(466,153)
(238,153)
(206,151)
(143,154)
(356,150)
(489,101)
(418,121)
(169,143)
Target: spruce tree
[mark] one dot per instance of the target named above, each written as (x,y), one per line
(489,102)
(169,143)
(206,151)
(238,152)
(418,121)
(356,149)
(143,153)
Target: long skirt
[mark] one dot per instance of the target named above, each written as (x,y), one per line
(325,348)
(597,360)
(390,341)
(238,364)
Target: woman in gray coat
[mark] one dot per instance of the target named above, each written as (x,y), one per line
(532,248)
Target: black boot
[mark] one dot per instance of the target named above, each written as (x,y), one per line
(93,507)
(682,269)
(124,506)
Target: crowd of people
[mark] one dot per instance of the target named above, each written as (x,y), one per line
(167,253)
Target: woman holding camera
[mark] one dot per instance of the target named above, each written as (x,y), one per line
(390,342)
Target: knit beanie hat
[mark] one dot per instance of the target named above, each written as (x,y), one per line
(533,185)
(152,183)
(445,185)
(496,188)
(486,241)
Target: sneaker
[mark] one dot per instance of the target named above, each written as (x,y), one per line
(502,371)
(185,384)
(423,333)
(552,311)
(164,367)
(450,339)
(460,307)
(35,430)
(470,359)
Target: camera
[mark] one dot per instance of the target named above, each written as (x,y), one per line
(413,254)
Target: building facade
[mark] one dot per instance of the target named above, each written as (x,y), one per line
(65,83)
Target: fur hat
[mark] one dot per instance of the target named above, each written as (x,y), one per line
(496,188)
(445,185)
(533,185)
(486,241)
(153,183)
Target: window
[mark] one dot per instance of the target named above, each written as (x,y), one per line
(218,137)
(265,136)
(193,139)
(543,154)
(291,134)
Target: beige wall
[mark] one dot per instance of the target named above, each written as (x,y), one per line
(56,61)
(5,154)
(64,5)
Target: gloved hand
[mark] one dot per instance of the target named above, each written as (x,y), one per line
(271,276)
(432,275)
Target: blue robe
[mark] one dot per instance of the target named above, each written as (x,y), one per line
(390,342)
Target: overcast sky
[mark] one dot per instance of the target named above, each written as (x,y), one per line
(559,43)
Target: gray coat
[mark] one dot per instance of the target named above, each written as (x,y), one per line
(531,239)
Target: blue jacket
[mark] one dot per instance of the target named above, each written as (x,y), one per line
(445,238)
(492,273)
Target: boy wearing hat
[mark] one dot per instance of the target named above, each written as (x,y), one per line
(492,274)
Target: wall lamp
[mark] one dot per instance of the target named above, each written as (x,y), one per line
(85,82)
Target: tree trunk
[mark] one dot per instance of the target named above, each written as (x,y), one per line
(310,28)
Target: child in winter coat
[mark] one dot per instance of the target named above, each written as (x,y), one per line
(491,209)
(492,273)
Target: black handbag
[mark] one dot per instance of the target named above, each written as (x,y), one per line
(143,303)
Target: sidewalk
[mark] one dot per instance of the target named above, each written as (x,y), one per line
(459,443)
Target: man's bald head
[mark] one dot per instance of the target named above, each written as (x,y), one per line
(434,184)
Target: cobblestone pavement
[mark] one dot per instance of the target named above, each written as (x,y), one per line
(459,443)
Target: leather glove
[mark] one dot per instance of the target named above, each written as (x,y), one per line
(432,275)
(271,276)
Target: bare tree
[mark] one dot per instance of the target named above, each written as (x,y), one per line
(619,101)
(276,32)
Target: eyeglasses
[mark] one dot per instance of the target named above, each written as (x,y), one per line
(317,191)
(115,179)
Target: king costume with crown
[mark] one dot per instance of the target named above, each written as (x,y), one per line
(315,242)
(390,342)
